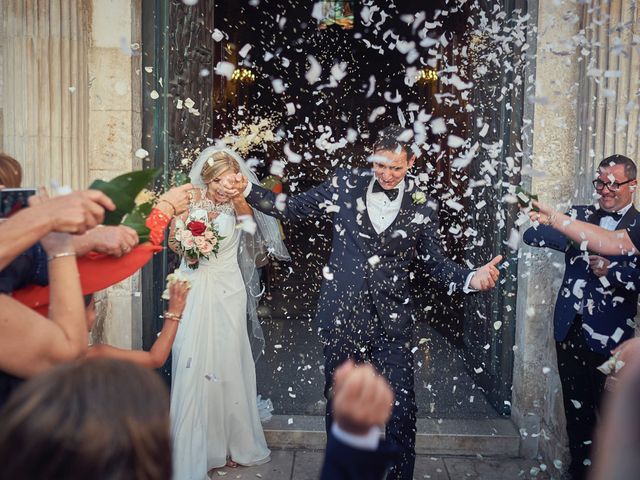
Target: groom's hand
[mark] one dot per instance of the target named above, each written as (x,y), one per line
(235,186)
(485,277)
(362,398)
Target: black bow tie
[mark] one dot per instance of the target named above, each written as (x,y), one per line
(599,214)
(392,193)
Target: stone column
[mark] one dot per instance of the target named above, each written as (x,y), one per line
(115,126)
(45,83)
(549,168)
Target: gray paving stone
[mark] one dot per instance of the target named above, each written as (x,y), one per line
(493,469)
(431,468)
(307,465)
(279,468)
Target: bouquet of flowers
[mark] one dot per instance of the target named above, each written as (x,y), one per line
(196,239)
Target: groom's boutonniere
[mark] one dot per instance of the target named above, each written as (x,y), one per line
(419,198)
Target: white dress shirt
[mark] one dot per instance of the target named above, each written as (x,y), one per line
(381,209)
(611,223)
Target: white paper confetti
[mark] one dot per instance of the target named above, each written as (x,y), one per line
(225,69)
(141,153)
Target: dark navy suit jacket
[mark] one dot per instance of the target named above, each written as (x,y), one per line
(361,258)
(342,462)
(605,308)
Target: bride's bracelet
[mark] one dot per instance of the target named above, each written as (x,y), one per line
(170,204)
(172,316)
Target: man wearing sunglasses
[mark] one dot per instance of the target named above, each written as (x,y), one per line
(596,303)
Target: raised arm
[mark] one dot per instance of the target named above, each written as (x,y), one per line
(73,213)
(598,239)
(31,343)
(545,236)
(159,351)
(241,206)
(311,203)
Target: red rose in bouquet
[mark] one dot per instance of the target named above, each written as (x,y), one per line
(196,228)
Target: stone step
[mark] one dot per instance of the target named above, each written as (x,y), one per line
(493,437)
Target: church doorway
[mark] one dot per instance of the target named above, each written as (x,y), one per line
(325,77)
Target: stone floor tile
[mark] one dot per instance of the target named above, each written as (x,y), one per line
(493,469)
(279,468)
(428,467)
(307,465)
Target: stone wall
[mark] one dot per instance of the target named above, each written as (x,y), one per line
(70,110)
(44,69)
(549,169)
(115,126)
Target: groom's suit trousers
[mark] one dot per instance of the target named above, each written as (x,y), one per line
(363,339)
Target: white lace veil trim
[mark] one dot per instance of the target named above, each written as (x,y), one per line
(266,239)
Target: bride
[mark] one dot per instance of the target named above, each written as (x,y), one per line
(214,413)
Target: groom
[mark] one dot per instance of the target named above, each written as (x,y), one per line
(365,311)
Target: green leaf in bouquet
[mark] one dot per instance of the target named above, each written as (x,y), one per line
(136,219)
(180,178)
(525,199)
(123,190)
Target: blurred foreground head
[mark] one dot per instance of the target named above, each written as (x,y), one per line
(102,419)
(10,171)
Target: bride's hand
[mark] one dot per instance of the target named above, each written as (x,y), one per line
(176,200)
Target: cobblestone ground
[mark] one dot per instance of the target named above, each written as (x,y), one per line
(305,465)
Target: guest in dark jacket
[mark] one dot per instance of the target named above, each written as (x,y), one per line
(596,303)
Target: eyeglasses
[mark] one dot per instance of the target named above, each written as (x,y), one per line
(612,187)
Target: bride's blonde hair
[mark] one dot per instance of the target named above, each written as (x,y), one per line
(217,164)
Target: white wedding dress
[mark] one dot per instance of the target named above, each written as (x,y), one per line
(214,413)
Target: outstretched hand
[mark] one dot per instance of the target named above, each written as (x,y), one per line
(542,213)
(76,212)
(178,292)
(113,240)
(485,277)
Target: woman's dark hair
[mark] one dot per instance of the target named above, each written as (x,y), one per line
(102,419)
(10,171)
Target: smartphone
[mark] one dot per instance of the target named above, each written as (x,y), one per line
(14,199)
(525,198)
